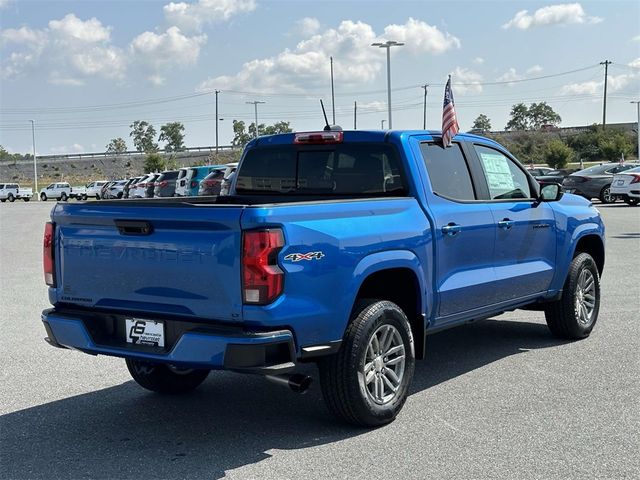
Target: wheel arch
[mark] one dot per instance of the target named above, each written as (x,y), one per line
(396,276)
(592,244)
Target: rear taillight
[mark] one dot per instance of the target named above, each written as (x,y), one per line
(162,184)
(262,278)
(47,254)
(636,178)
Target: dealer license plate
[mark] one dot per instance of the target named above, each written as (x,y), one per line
(620,182)
(145,332)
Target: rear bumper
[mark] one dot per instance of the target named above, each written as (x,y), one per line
(197,347)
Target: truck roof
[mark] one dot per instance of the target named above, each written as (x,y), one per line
(367,136)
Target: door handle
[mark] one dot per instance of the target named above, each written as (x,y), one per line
(505,223)
(451,229)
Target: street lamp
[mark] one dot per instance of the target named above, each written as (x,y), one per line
(35,167)
(255,107)
(637,102)
(388,44)
(382,124)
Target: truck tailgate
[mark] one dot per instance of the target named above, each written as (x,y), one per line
(177,260)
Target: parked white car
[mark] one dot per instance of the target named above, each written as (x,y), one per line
(229,176)
(13,192)
(626,185)
(93,189)
(140,188)
(59,191)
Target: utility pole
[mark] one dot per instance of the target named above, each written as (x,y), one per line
(35,166)
(333,98)
(255,107)
(381,124)
(637,102)
(606,64)
(355,114)
(388,44)
(217,92)
(424,110)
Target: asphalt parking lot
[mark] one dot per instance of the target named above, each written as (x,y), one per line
(495,399)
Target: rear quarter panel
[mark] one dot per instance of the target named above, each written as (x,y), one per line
(355,238)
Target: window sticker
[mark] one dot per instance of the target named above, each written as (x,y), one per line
(496,168)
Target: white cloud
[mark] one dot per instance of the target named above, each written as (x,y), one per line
(77,47)
(636,38)
(466,81)
(510,75)
(307,65)
(71,27)
(635,63)
(625,82)
(562,14)
(478,60)
(421,37)
(590,87)
(4,4)
(165,50)
(194,16)
(534,70)
(308,26)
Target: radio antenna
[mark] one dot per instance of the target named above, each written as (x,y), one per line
(327,127)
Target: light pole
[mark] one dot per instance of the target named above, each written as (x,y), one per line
(35,166)
(217,92)
(382,124)
(637,102)
(388,44)
(255,107)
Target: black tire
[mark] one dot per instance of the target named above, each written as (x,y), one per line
(84,197)
(3,200)
(11,198)
(161,378)
(632,202)
(562,316)
(342,376)
(43,197)
(605,195)
(26,199)
(64,197)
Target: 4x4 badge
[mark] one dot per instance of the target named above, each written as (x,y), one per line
(296,257)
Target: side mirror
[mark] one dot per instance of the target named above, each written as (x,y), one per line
(550,192)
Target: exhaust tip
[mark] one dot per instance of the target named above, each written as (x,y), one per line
(299,382)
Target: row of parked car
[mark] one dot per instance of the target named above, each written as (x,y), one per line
(184,182)
(608,182)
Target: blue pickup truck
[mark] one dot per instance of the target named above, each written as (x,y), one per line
(341,248)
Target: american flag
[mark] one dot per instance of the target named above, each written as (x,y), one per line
(449,121)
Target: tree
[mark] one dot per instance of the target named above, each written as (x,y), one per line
(116,145)
(280,127)
(532,117)
(557,154)
(172,134)
(143,134)
(519,118)
(154,163)
(542,114)
(614,145)
(240,136)
(482,123)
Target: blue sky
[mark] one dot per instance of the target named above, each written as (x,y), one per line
(86,70)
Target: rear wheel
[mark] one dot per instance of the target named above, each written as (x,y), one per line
(366,383)
(574,315)
(11,198)
(25,199)
(605,195)
(632,201)
(162,378)
(3,200)
(64,197)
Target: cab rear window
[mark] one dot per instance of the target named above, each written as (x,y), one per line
(344,169)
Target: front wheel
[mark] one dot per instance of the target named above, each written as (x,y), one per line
(606,196)
(64,197)
(43,197)
(11,198)
(632,202)
(574,315)
(367,382)
(162,378)
(25,199)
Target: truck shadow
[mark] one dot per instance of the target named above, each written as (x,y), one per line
(231,421)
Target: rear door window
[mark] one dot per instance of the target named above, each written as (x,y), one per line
(448,171)
(505,179)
